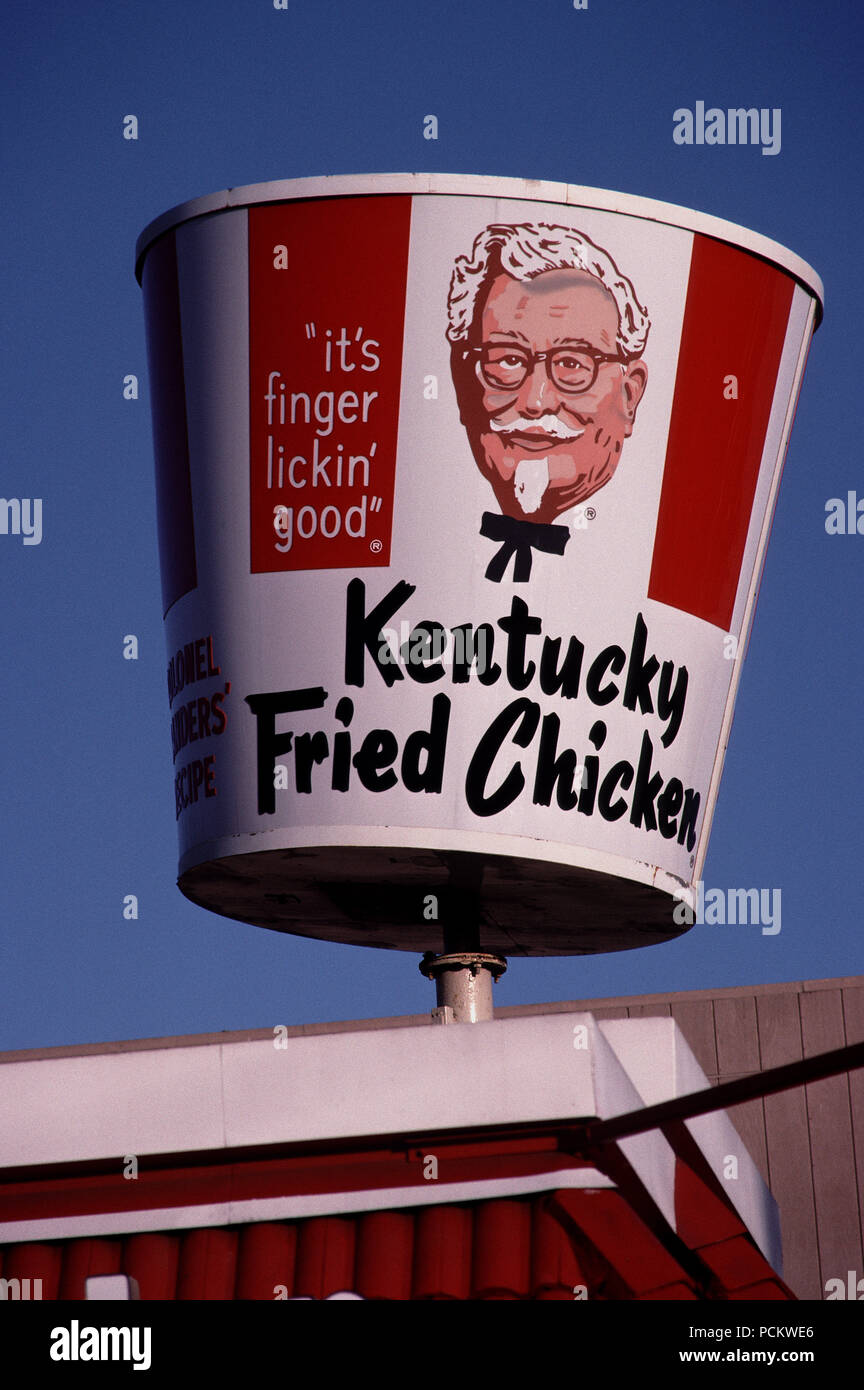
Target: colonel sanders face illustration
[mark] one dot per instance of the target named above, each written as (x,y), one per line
(546,340)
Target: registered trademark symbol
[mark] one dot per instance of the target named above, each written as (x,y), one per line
(590,513)
(376,546)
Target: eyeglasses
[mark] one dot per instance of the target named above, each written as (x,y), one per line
(504,366)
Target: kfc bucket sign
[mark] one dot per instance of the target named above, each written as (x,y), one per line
(464,487)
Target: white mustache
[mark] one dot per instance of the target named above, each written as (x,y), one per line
(545,424)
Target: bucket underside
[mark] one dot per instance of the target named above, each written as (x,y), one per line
(402,899)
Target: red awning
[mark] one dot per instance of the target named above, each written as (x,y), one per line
(559,1245)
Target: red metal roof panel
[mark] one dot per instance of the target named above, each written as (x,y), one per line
(552,1246)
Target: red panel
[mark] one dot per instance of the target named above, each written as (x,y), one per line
(701,1217)
(327,328)
(42,1261)
(212,1183)
(385,1249)
(48,1198)
(556,1270)
(325,1257)
(670,1292)
(770,1290)
(736,1262)
(208,1263)
(502,1249)
(265,1261)
(734,324)
(442,1252)
(85,1258)
(153,1261)
(630,1248)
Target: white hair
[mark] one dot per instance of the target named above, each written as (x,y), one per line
(526,251)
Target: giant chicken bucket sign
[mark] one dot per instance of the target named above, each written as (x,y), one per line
(464,487)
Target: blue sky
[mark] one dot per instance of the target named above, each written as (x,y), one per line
(233,92)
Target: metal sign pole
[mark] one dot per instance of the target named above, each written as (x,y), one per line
(463,974)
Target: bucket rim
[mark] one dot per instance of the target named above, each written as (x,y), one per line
(485,186)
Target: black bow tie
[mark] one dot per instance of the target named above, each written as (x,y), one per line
(519,538)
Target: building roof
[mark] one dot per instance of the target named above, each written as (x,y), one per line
(467,1141)
(562,1245)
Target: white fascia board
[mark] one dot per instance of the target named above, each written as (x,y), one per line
(342,1086)
(662,1066)
(324,1088)
(299,1089)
